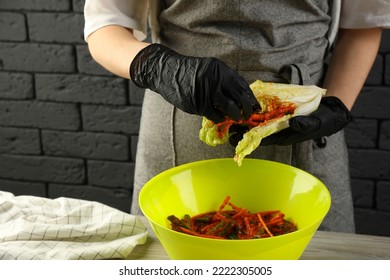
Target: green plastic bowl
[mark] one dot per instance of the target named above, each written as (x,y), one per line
(257,185)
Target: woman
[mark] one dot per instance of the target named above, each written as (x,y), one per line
(279,41)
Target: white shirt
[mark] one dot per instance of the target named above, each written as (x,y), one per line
(137,14)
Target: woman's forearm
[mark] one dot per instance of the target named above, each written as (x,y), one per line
(353,57)
(114,47)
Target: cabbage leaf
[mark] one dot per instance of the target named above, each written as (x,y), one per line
(306,99)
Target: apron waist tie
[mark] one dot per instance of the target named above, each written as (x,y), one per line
(295,74)
(299,74)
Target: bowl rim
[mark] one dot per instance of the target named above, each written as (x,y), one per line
(298,232)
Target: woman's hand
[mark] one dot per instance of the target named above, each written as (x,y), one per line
(352,59)
(202,86)
(330,117)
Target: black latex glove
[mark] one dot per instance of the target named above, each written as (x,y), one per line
(201,86)
(236,133)
(330,117)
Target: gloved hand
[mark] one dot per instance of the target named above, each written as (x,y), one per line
(330,117)
(202,86)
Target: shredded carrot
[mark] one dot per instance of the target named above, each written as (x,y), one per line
(226,201)
(275,109)
(264,224)
(235,223)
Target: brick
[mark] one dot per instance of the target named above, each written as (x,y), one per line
(37,57)
(16,85)
(79,88)
(385,42)
(115,197)
(12,27)
(85,145)
(23,188)
(78,5)
(136,94)
(376,74)
(363,193)
(86,64)
(384,136)
(383,196)
(56,27)
(372,222)
(119,119)
(42,169)
(37,5)
(35,114)
(369,163)
(111,174)
(362,133)
(133,146)
(373,102)
(387,69)
(19,141)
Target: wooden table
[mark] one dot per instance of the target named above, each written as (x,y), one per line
(324,246)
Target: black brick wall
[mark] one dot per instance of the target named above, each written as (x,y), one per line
(368,139)
(69,128)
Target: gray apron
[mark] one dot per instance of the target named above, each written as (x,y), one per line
(279,41)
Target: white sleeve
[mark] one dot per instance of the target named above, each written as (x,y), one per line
(128,13)
(365,14)
(334,25)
